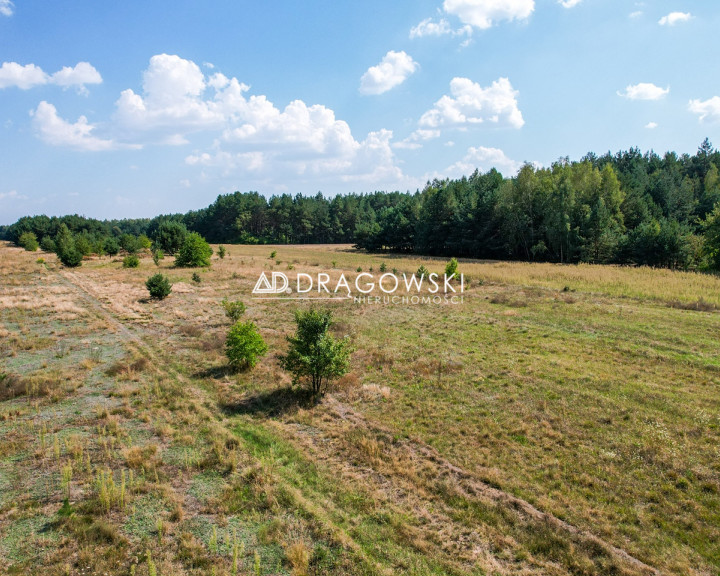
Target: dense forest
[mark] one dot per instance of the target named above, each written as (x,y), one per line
(629,208)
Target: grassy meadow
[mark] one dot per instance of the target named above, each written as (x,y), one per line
(561,420)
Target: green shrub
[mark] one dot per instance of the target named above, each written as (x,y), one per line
(130,243)
(157,256)
(159,286)
(452,268)
(131,261)
(196,278)
(29,241)
(273,254)
(111,245)
(170,236)
(83,245)
(422,271)
(244,345)
(47,244)
(195,252)
(233,310)
(71,257)
(383,267)
(221,252)
(315,357)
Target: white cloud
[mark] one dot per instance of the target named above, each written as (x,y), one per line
(12,195)
(470,103)
(393,70)
(674,18)
(706,110)
(23,77)
(30,75)
(83,73)
(413,141)
(636,14)
(483,14)
(483,159)
(651,125)
(644,91)
(58,132)
(6,7)
(569,3)
(429,27)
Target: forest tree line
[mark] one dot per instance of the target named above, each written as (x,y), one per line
(628,208)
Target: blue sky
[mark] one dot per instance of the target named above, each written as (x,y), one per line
(131,109)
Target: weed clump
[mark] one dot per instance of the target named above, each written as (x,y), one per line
(233,310)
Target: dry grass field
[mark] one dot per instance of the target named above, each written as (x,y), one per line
(561,420)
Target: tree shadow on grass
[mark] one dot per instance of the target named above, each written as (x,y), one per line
(270,404)
(217,372)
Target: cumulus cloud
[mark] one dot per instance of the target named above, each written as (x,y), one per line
(393,70)
(23,77)
(58,132)
(569,3)
(483,159)
(469,103)
(644,91)
(6,8)
(81,74)
(483,14)
(707,109)
(254,139)
(28,76)
(171,99)
(651,125)
(674,18)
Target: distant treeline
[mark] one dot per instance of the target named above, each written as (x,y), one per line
(630,208)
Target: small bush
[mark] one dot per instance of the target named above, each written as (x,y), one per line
(358,269)
(159,286)
(221,252)
(131,261)
(29,241)
(383,267)
(244,345)
(47,244)
(422,271)
(71,258)
(315,357)
(452,268)
(233,310)
(273,254)
(195,252)
(157,256)
(111,246)
(196,278)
